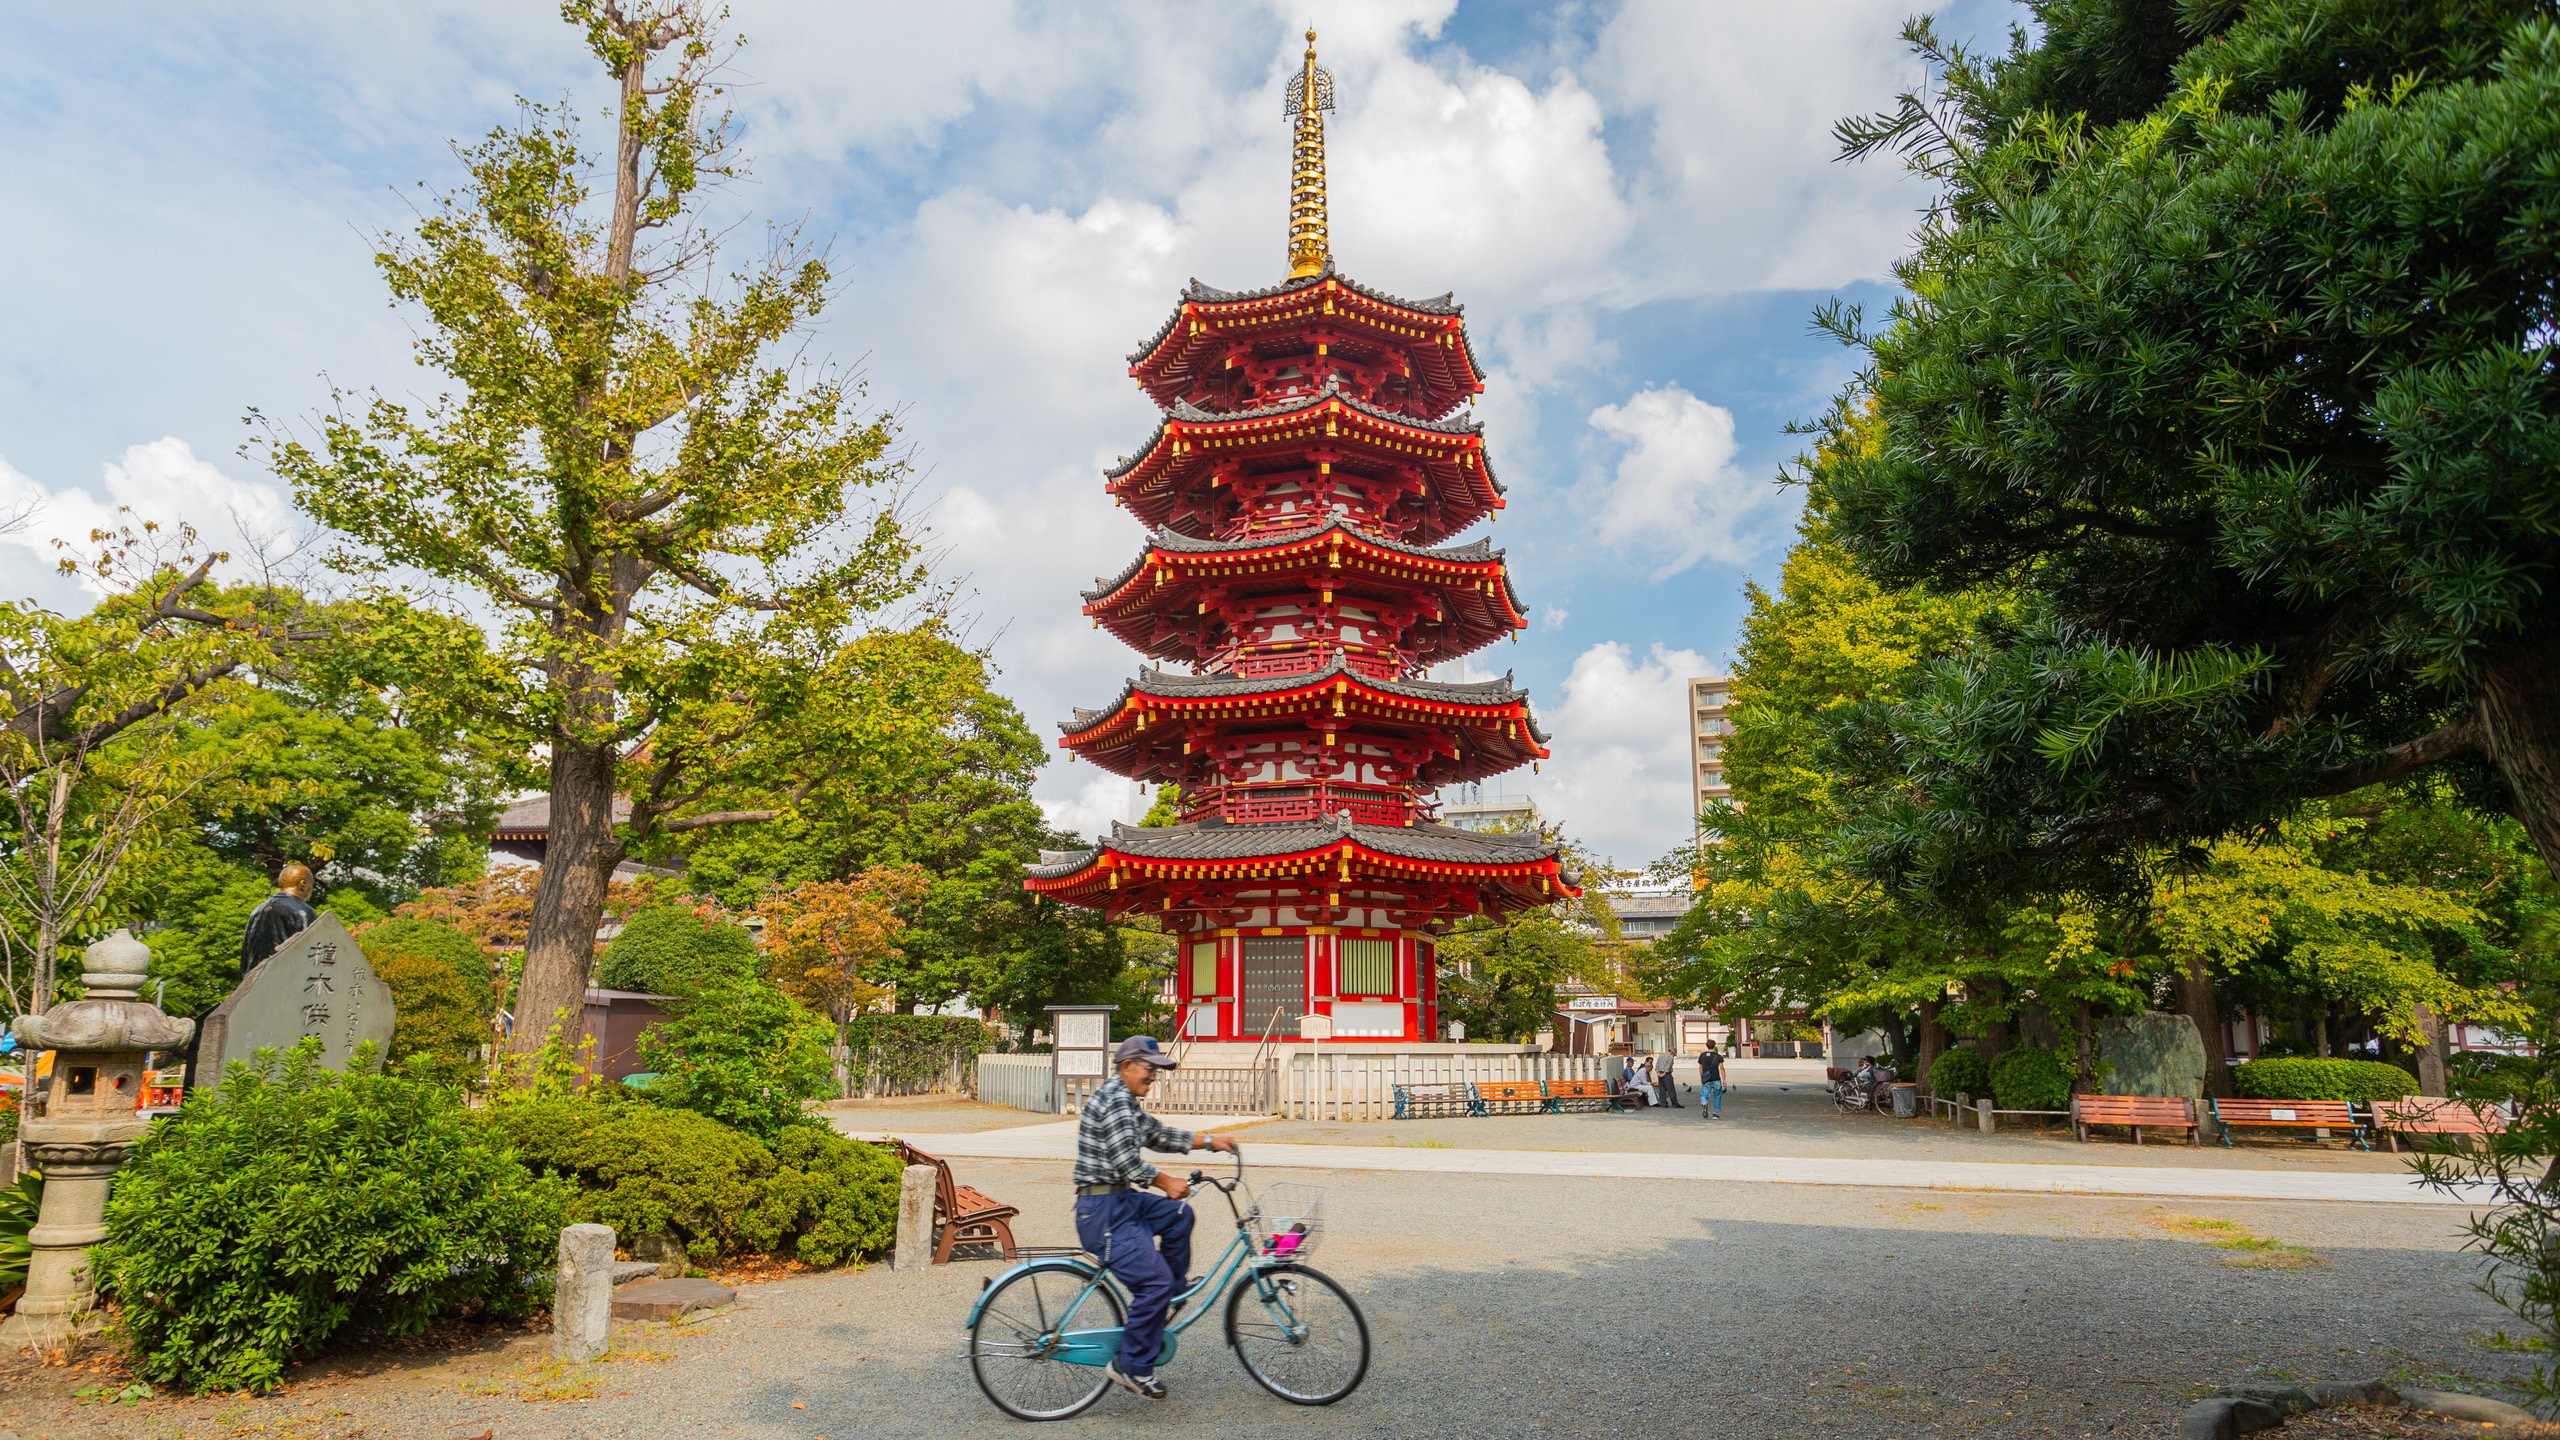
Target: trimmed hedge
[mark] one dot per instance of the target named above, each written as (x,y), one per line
(1959,1071)
(648,1169)
(2304,1077)
(2031,1078)
(898,1054)
(670,950)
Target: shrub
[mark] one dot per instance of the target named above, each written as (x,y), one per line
(1959,1071)
(744,1054)
(431,940)
(2498,1079)
(900,1054)
(669,950)
(645,1170)
(293,1203)
(437,1029)
(2031,1078)
(2312,1078)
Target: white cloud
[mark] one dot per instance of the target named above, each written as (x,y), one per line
(1676,497)
(161,483)
(1097,800)
(1744,190)
(1620,779)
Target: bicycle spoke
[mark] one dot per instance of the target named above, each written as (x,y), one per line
(1014,1347)
(1299,1335)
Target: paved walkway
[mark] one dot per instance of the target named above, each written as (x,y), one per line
(1056,1140)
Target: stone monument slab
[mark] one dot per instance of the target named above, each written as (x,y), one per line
(2152,1053)
(318,986)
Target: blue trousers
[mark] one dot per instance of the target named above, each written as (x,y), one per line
(1126,1230)
(1711,1097)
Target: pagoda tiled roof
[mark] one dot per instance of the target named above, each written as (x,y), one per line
(1169,685)
(1474,552)
(1198,294)
(1190,414)
(1214,840)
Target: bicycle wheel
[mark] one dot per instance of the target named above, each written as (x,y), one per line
(1300,1337)
(1015,1342)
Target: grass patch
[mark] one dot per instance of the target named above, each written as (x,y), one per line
(1925,1205)
(2511,1344)
(2248,1252)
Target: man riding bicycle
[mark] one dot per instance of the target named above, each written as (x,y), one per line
(1118,1220)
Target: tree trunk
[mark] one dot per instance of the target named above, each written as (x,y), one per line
(2196,1000)
(2431,1077)
(1933,1042)
(568,906)
(1900,1038)
(2520,728)
(2085,1031)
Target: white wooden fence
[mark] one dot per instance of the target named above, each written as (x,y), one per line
(1302,1085)
(1349,1085)
(1021,1081)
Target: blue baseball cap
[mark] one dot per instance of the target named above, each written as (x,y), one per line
(1141,1047)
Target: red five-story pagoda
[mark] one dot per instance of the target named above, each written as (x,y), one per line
(1300,489)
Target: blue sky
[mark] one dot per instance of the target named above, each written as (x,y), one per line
(1636,201)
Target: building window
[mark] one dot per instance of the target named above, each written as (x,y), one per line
(1204,968)
(1368,967)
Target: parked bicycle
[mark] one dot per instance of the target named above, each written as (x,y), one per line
(1869,1087)
(1042,1331)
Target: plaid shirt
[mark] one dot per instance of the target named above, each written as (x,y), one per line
(1109,1131)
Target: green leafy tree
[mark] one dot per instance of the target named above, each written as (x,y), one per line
(743,1053)
(636,475)
(2229,348)
(951,797)
(1499,977)
(100,708)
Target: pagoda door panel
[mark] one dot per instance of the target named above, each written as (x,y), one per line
(1275,986)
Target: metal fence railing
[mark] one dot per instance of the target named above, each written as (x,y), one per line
(1020,1081)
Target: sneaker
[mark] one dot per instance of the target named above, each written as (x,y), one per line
(1145,1387)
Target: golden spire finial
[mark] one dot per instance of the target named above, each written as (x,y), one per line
(1310,95)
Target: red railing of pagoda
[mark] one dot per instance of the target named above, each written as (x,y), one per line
(1265,665)
(1366,805)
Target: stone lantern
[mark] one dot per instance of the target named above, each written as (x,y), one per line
(86,1128)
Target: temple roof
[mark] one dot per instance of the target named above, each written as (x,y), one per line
(1166,684)
(1215,840)
(1184,412)
(1474,552)
(1196,293)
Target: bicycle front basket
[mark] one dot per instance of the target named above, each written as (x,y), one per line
(1287,1221)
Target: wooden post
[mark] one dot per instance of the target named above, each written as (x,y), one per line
(2431,1037)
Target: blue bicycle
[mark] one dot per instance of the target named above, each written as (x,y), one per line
(1041,1332)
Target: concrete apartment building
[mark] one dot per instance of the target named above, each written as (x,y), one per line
(1709,727)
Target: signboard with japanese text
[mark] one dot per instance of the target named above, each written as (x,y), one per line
(318,987)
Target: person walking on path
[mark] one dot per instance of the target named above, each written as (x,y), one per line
(1144,1239)
(1710,1083)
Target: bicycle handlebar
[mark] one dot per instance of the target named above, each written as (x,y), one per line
(1228,1185)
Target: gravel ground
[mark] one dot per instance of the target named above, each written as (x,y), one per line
(1510,1305)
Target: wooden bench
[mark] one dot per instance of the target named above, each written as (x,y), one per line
(2159,1112)
(962,1215)
(2427,1115)
(1413,1102)
(2287,1115)
(1588,1095)
(1527,1094)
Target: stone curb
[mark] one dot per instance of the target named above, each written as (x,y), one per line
(2249,1407)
